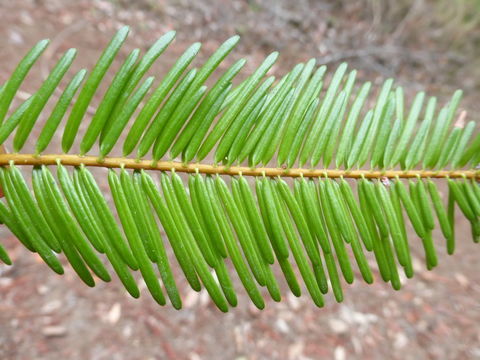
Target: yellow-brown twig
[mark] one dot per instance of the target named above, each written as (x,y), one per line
(128,163)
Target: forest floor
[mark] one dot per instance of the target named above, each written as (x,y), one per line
(436,315)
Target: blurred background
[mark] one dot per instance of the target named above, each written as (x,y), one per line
(425,45)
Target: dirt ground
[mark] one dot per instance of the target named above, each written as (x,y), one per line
(436,315)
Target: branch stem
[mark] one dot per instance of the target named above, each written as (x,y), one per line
(128,163)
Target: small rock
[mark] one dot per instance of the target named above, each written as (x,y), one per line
(5,282)
(295,351)
(293,301)
(338,326)
(51,306)
(25,18)
(475,352)
(191,299)
(462,280)
(282,326)
(339,353)
(15,37)
(400,341)
(114,314)
(194,356)
(42,289)
(54,331)
(127,331)
(204,298)
(142,286)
